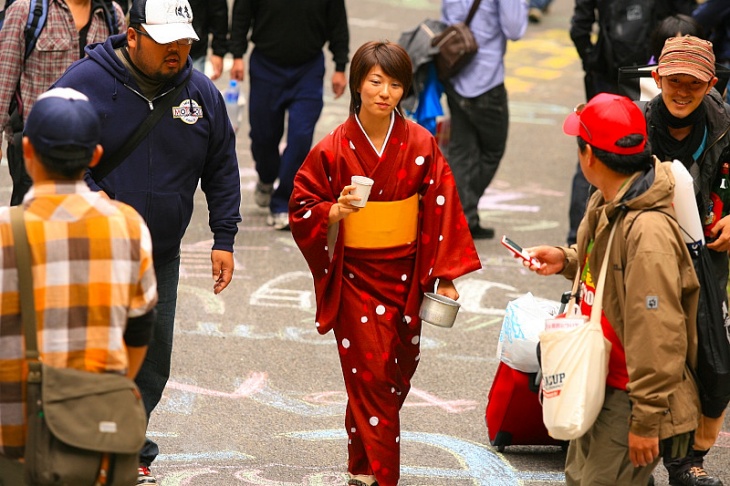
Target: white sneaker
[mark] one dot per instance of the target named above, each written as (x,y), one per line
(262,194)
(280,221)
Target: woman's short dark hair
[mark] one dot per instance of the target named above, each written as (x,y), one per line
(670,27)
(623,164)
(392,59)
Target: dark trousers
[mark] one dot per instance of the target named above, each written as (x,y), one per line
(283,95)
(155,371)
(18,174)
(478,139)
(580,192)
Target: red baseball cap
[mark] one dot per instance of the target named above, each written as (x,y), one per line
(604,120)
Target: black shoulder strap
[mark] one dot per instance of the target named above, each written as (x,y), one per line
(37,16)
(108,165)
(110,15)
(472,11)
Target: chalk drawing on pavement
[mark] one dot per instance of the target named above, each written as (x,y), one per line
(479,462)
(302,335)
(179,398)
(273,293)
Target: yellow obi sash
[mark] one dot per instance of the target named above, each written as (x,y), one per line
(383,224)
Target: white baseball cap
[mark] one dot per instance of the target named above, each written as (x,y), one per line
(164,20)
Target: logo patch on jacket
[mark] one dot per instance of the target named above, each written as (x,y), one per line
(189,111)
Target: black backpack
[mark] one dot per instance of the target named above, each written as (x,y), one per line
(627,27)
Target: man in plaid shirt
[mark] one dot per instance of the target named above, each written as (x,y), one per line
(69,28)
(91,256)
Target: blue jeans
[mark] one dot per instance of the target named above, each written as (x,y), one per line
(155,371)
(478,140)
(277,92)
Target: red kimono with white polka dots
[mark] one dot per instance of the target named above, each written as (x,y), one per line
(370,297)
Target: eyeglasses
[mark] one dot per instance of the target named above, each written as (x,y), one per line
(185,41)
(578,110)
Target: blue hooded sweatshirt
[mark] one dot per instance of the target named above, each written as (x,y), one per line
(192,143)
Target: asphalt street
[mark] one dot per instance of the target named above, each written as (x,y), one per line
(256,396)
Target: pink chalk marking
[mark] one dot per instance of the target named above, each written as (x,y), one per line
(451,406)
(723,440)
(428,400)
(253,384)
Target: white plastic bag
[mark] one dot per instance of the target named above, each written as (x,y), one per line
(523,322)
(574,370)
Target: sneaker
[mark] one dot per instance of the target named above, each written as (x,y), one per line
(262,194)
(280,221)
(534,15)
(695,476)
(144,476)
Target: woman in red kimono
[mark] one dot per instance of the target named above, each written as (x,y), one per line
(371,266)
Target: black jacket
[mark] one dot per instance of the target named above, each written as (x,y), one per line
(210,17)
(291,33)
(597,57)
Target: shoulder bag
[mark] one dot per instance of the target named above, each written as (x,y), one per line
(83,428)
(574,359)
(456,46)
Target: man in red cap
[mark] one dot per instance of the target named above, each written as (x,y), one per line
(649,298)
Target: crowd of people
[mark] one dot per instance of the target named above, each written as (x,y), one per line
(131,78)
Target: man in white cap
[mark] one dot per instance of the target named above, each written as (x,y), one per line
(62,134)
(192,143)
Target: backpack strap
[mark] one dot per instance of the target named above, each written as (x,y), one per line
(472,12)
(110,14)
(107,165)
(37,16)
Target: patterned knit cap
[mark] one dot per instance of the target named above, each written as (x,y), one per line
(687,55)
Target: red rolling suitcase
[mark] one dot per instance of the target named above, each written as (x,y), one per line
(514,412)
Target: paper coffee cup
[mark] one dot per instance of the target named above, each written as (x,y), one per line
(362,189)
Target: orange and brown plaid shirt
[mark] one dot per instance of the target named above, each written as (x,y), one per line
(92,270)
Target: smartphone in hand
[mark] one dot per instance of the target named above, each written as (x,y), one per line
(519,251)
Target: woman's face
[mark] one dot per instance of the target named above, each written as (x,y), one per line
(379,94)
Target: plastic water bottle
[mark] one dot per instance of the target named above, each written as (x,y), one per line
(230,95)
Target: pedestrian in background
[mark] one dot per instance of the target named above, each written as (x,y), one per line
(371,266)
(210,19)
(651,404)
(97,313)
(537,9)
(69,27)
(478,101)
(714,16)
(192,143)
(689,122)
(286,74)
